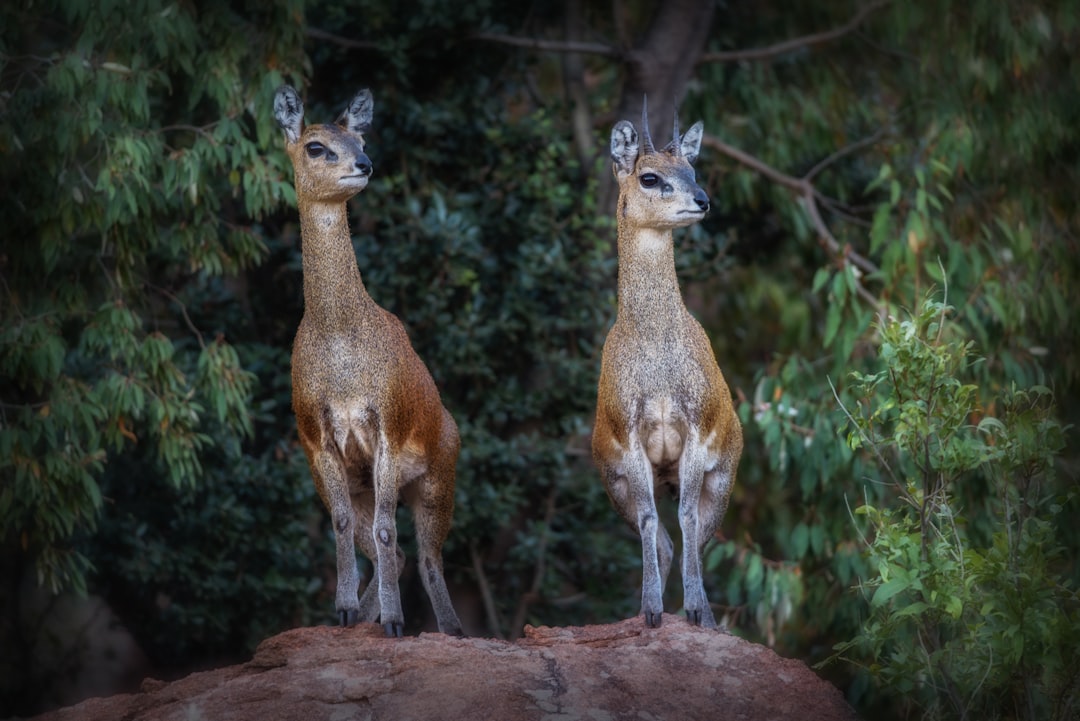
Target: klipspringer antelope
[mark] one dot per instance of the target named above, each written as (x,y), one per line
(664,415)
(367,410)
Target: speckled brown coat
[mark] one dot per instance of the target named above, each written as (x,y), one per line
(664,415)
(367,410)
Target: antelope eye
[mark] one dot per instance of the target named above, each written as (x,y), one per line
(649,180)
(315,150)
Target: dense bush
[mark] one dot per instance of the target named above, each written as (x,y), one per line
(969,613)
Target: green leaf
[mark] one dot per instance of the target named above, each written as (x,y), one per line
(887,590)
(912,609)
(820,278)
(800,540)
(833,316)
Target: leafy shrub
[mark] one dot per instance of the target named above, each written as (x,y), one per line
(965,620)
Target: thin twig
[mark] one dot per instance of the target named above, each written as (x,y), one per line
(183,311)
(485,592)
(558,46)
(538,572)
(862,434)
(772,51)
(843,152)
(851,515)
(764,53)
(841,210)
(344,42)
(204,131)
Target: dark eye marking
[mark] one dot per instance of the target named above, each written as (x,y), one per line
(315,150)
(649,180)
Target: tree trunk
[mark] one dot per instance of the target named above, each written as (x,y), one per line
(659,67)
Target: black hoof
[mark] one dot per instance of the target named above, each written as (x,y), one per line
(394,630)
(652,620)
(694,617)
(348,617)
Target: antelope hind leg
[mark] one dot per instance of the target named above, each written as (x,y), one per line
(432,521)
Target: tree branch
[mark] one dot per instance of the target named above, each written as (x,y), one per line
(789,182)
(844,152)
(558,46)
(183,311)
(808,197)
(772,51)
(611,51)
(340,40)
(485,591)
(533,593)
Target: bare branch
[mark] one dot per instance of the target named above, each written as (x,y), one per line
(485,591)
(844,152)
(772,51)
(344,42)
(533,593)
(865,439)
(183,311)
(808,199)
(558,46)
(753,163)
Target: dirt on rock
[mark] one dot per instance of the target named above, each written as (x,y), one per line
(611,672)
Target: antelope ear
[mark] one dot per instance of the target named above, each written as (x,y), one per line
(357,116)
(691,141)
(624,148)
(289,111)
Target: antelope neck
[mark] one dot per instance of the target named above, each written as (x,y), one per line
(332,282)
(648,285)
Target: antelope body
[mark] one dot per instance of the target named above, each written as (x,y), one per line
(367,410)
(664,415)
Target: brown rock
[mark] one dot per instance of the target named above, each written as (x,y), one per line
(613,672)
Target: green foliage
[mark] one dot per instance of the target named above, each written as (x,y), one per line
(119,206)
(212,570)
(963,621)
(134,180)
(916,177)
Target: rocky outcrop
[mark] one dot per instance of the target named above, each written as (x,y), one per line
(618,671)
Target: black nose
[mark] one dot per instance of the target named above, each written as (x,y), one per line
(363,164)
(701,199)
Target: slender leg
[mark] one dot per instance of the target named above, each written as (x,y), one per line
(364,508)
(384,532)
(328,466)
(639,475)
(691,486)
(712,505)
(665,551)
(431,507)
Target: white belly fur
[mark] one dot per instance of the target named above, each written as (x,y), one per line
(662,431)
(355,421)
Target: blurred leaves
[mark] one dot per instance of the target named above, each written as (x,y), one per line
(969,613)
(124,191)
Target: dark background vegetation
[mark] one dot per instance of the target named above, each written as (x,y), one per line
(888,278)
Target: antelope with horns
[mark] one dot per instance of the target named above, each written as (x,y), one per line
(367,410)
(664,415)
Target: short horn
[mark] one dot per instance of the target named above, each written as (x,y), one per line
(675,142)
(646,137)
